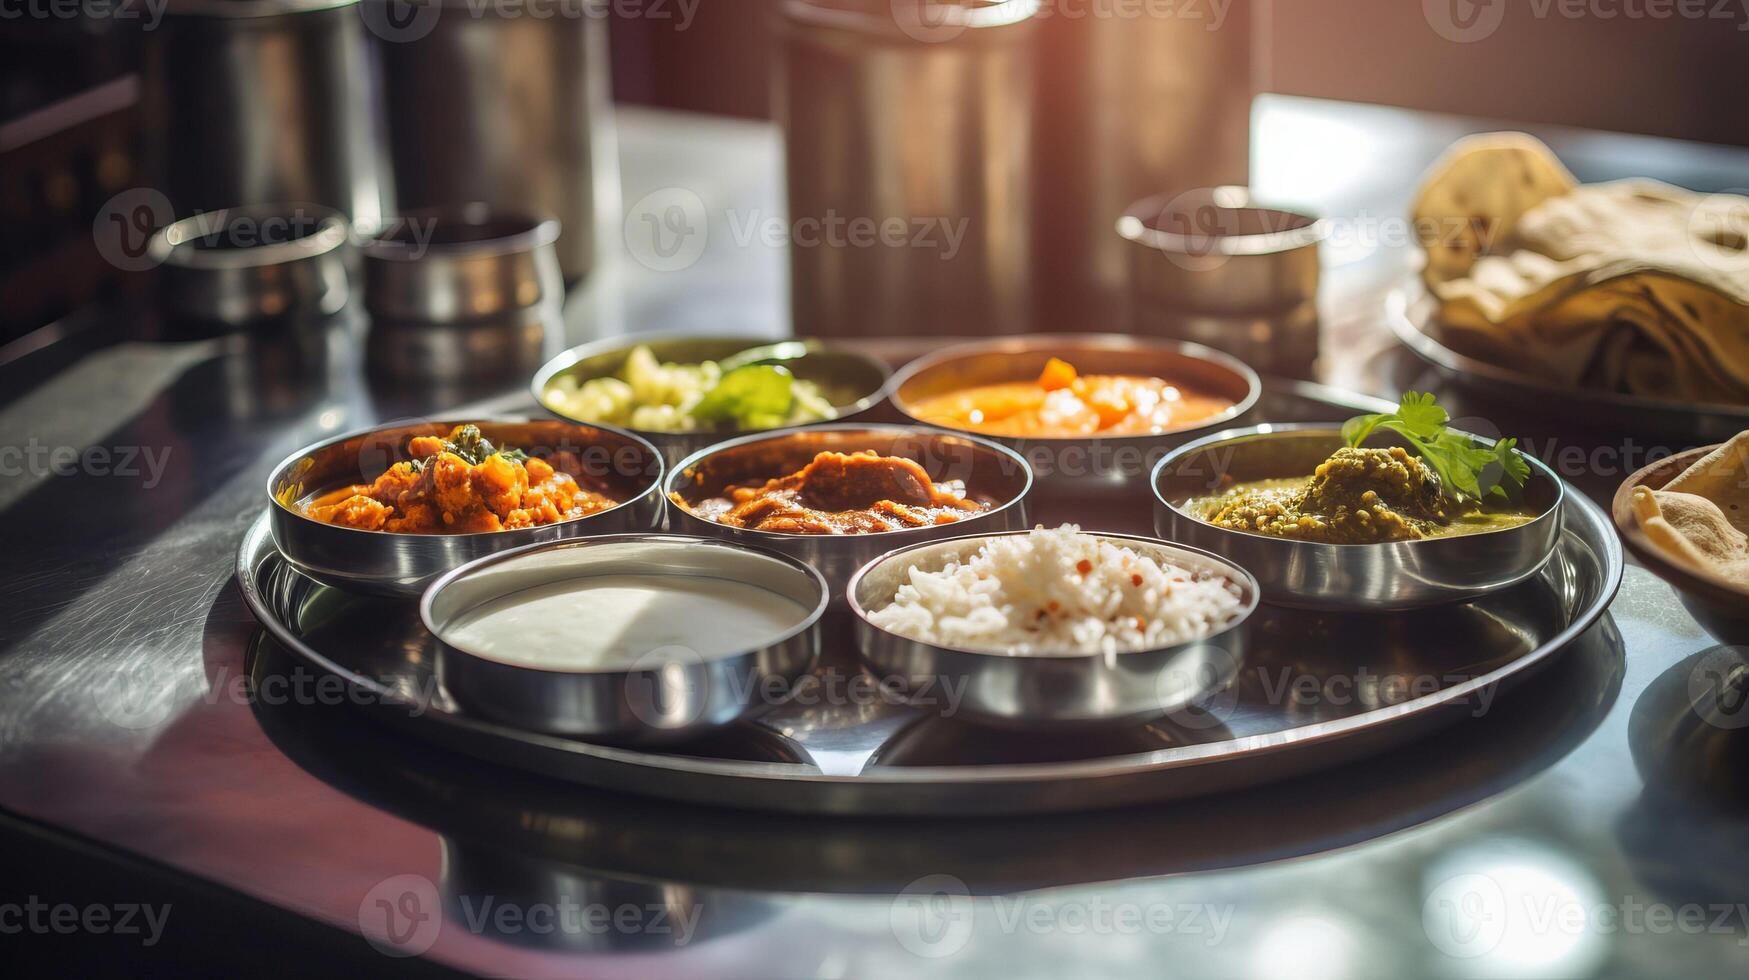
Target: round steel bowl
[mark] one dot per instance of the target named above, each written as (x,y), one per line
(1082,464)
(248,265)
(1355,577)
(668,693)
(1053,689)
(1720,606)
(388,563)
(988,470)
(853,383)
(1216,250)
(453,265)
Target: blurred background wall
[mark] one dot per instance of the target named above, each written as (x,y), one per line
(1611,69)
(69,121)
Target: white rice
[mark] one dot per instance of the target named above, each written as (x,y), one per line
(1028,594)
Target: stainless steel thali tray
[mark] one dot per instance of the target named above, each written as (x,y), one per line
(1315,689)
(1409,309)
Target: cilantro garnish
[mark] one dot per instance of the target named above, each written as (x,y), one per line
(472,446)
(1467,469)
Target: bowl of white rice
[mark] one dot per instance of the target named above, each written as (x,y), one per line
(1053,625)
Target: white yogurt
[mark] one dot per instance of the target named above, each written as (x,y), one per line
(609,622)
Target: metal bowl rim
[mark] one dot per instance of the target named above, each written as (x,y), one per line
(532,233)
(170,245)
(1104,341)
(567,359)
(1266,429)
(1133,226)
(680,468)
(430,593)
(283,465)
(1254,595)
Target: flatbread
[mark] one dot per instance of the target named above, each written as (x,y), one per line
(1634,286)
(1475,193)
(1701,516)
(1722,478)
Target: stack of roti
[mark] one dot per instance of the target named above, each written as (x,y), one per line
(1631,286)
(1701,518)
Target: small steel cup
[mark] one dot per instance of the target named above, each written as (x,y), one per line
(1213,266)
(249,265)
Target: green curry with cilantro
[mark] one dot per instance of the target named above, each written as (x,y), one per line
(1444,484)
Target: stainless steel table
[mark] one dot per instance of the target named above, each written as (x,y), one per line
(1574,829)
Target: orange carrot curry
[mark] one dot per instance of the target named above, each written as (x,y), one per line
(459,485)
(1062,403)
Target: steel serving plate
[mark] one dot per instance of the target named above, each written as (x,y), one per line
(1387,677)
(1410,311)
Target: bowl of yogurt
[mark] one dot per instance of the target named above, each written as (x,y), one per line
(628,638)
